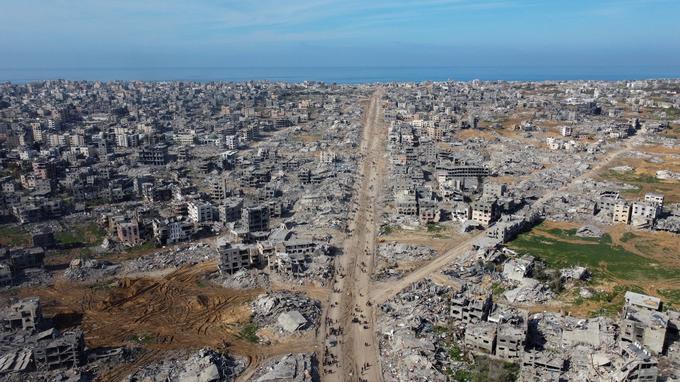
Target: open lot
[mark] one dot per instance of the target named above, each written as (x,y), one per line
(644,261)
(652,158)
(178,311)
(12,235)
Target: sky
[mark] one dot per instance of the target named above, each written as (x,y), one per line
(326,33)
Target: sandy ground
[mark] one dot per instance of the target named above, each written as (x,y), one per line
(670,160)
(176,311)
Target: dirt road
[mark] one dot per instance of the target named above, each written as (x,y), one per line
(382,292)
(350,318)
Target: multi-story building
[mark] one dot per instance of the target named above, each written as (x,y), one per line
(200,212)
(485,211)
(643,214)
(255,219)
(128,232)
(156,155)
(621,213)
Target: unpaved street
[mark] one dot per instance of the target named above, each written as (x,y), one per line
(355,357)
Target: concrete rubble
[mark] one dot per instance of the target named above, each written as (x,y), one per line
(205,365)
(287,311)
(294,367)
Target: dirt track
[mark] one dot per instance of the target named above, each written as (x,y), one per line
(382,292)
(349,309)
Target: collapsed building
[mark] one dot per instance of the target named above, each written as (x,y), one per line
(28,341)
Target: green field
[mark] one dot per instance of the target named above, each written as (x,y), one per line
(600,256)
(89,234)
(14,236)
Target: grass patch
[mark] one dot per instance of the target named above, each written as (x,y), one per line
(487,369)
(627,236)
(599,255)
(672,112)
(142,339)
(434,228)
(89,234)
(249,333)
(632,177)
(643,183)
(671,297)
(14,236)
(610,303)
(497,289)
(455,353)
(387,230)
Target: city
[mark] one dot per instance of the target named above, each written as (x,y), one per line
(270,231)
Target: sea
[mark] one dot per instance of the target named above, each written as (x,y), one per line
(344,74)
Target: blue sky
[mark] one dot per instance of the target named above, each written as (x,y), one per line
(211,33)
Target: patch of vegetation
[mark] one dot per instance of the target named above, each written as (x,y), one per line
(611,303)
(632,177)
(497,289)
(462,376)
(570,234)
(14,236)
(644,183)
(600,256)
(562,232)
(671,297)
(455,353)
(387,230)
(672,112)
(142,339)
(627,236)
(89,234)
(434,228)
(101,285)
(249,333)
(486,369)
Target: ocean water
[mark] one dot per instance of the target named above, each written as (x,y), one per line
(344,74)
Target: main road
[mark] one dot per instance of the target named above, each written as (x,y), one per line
(350,317)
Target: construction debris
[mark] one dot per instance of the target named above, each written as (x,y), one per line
(298,367)
(288,311)
(205,365)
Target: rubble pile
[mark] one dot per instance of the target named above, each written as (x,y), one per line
(405,252)
(589,231)
(287,311)
(169,258)
(408,342)
(91,269)
(205,365)
(294,367)
(388,272)
(529,290)
(244,279)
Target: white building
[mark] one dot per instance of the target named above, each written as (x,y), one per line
(567,131)
(200,212)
